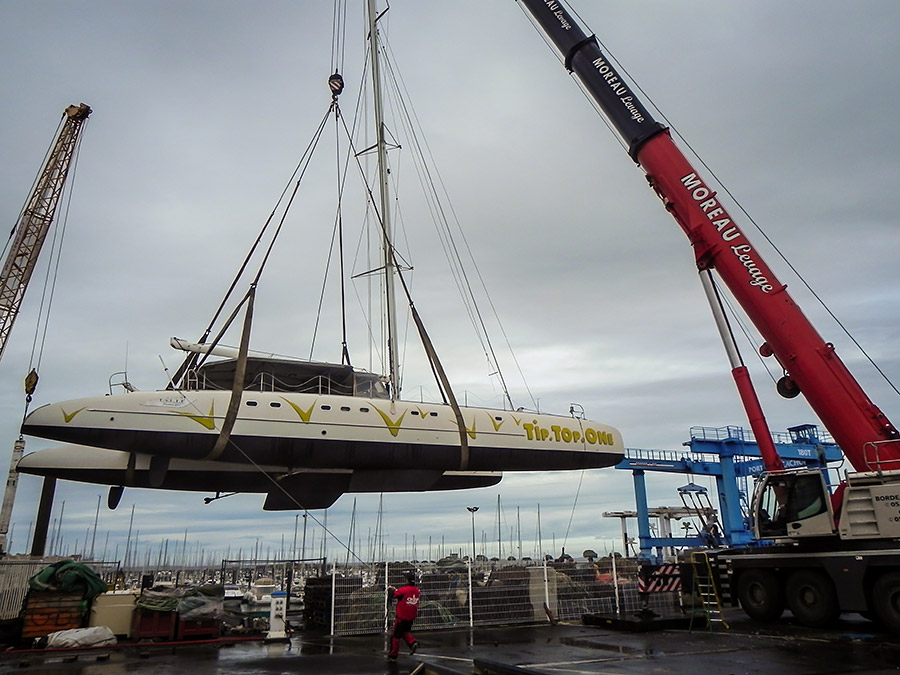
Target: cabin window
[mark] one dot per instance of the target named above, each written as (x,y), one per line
(807,499)
(251,403)
(326,407)
(363,410)
(433,414)
(275,404)
(415,412)
(771,510)
(345,408)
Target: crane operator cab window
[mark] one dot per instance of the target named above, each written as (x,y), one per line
(794,505)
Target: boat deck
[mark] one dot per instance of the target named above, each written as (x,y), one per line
(852,646)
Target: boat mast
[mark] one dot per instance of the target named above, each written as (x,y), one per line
(387,252)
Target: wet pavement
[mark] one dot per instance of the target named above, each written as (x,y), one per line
(852,646)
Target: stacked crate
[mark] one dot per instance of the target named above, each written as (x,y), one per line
(46,612)
(317,603)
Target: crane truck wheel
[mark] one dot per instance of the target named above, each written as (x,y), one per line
(812,598)
(886,600)
(760,595)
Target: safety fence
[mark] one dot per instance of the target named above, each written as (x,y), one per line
(353,601)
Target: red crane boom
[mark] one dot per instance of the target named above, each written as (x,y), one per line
(811,365)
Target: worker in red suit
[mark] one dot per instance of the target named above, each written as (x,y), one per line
(407,598)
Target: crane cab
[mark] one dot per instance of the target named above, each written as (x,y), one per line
(792,504)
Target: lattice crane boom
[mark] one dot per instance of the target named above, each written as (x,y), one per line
(36,218)
(29,235)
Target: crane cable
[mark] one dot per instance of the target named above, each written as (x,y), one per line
(336,85)
(193,359)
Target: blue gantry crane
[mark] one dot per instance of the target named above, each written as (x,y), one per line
(732,457)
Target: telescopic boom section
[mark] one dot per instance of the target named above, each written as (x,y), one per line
(863,432)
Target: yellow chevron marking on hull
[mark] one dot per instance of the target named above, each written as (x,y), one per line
(471,432)
(67,417)
(206,421)
(494,421)
(393,426)
(304,414)
(517,420)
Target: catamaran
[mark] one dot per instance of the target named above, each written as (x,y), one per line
(305,432)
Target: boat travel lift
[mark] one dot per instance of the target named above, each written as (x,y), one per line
(731,456)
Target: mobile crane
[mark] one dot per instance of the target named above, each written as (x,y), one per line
(26,243)
(818,553)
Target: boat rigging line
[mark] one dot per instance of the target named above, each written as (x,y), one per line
(224,439)
(448,228)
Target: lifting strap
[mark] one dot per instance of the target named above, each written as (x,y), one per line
(237,388)
(445,386)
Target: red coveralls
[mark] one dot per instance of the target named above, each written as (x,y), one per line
(407,599)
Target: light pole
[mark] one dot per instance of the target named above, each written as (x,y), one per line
(472,510)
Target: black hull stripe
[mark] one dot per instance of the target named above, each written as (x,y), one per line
(223,481)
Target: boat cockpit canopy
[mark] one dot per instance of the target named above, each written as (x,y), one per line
(286,375)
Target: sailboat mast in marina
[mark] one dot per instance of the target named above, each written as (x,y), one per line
(385,211)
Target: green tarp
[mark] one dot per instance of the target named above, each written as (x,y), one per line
(68,576)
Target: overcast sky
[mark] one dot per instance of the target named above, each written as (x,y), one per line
(202,109)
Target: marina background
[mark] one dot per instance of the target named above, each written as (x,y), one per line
(201,110)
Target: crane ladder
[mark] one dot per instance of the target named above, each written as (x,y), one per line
(705,588)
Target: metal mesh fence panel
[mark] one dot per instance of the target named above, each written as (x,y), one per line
(352,599)
(603,589)
(14,577)
(360,600)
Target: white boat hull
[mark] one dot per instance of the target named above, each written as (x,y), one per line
(315,431)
